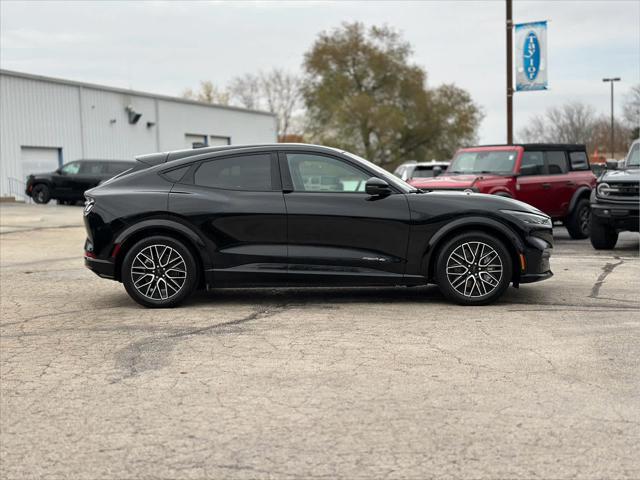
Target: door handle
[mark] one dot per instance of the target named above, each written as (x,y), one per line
(546,186)
(571,183)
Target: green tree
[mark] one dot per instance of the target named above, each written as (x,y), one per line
(363,94)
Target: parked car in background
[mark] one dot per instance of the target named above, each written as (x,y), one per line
(551,177)
(256,216)
(418,170)
(615,202)
(68,183)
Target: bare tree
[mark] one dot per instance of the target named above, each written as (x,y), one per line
(572,122)
(208,93)
(276,91)
(631,109)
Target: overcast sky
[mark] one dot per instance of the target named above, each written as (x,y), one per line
(163,47)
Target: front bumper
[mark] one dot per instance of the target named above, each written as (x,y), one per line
(620,216)
(535,264)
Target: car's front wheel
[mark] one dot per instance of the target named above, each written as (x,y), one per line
(473,268)
(602,236)
(159,272)
(41,193)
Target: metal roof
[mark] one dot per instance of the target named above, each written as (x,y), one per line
(94,86)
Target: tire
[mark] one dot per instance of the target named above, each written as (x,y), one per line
(41,193)
(578,222)
(483,285)
(148,280)
(602,236)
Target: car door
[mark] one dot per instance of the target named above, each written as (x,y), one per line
(337,233)
(236,202)
(532,185)
(562,185)
(64,180)
(90,175)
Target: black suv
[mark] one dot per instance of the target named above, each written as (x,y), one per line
(615,201)
(68,183)
(302,215)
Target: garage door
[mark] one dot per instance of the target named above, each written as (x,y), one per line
(39,160)
(215,141)
(190,139)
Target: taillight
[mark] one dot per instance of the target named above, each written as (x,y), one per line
(89,254)
(116,250)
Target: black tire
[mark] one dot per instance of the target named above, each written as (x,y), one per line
(41,193)
(167,287)
(484,281)
(602,236)
(578,222)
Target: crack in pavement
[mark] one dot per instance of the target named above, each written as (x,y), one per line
(153,353)
(606,271)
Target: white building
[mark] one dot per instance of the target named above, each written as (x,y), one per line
(45,122)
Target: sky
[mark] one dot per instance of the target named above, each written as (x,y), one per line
(165,47)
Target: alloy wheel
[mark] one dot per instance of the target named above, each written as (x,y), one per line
(584,220)
(474,269)
(158,272)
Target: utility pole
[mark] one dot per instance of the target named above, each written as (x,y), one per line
(612,81)
(509,73)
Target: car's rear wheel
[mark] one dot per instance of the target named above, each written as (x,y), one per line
(159,272)
(473,268)
(602,236)
(578,222)
(41,193)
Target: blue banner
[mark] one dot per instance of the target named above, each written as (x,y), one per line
(531,56)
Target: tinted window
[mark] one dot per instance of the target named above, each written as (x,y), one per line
(532,164)
(71,168)
(250,172)
(176,174)
(579,161)
(92,168)
(423,172)
(113,168)
(317,173)
(556,162)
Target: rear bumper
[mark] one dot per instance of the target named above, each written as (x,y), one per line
(102,268)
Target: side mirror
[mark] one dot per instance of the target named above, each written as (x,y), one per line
(437,170)
(612,164)
(377,187)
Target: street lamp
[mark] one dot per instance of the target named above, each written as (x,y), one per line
(612,80)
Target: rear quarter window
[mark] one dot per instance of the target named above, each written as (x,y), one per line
(578,161)
(244,172)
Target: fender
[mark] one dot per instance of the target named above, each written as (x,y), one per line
(169,224)
(577,194)
(468,223)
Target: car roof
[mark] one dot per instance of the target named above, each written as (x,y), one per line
(163,157)
(532,146)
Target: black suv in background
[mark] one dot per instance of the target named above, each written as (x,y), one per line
(615,202)
(68,183)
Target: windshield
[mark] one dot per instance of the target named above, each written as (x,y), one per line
(487,161)
(382,173)
(634,157)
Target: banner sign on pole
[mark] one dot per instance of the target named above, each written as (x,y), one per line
(531,56)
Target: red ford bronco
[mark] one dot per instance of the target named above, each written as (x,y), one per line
(554,178)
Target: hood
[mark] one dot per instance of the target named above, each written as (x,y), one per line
(629,175)
(451,181)
(471,202)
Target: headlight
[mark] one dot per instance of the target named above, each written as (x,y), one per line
(605,189)
(88,205)
(530,218)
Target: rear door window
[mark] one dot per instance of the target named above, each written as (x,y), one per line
(532,163)
(556,162)
(245,172)
(579,161)
(92,168)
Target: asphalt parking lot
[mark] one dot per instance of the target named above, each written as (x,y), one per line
(353,383)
